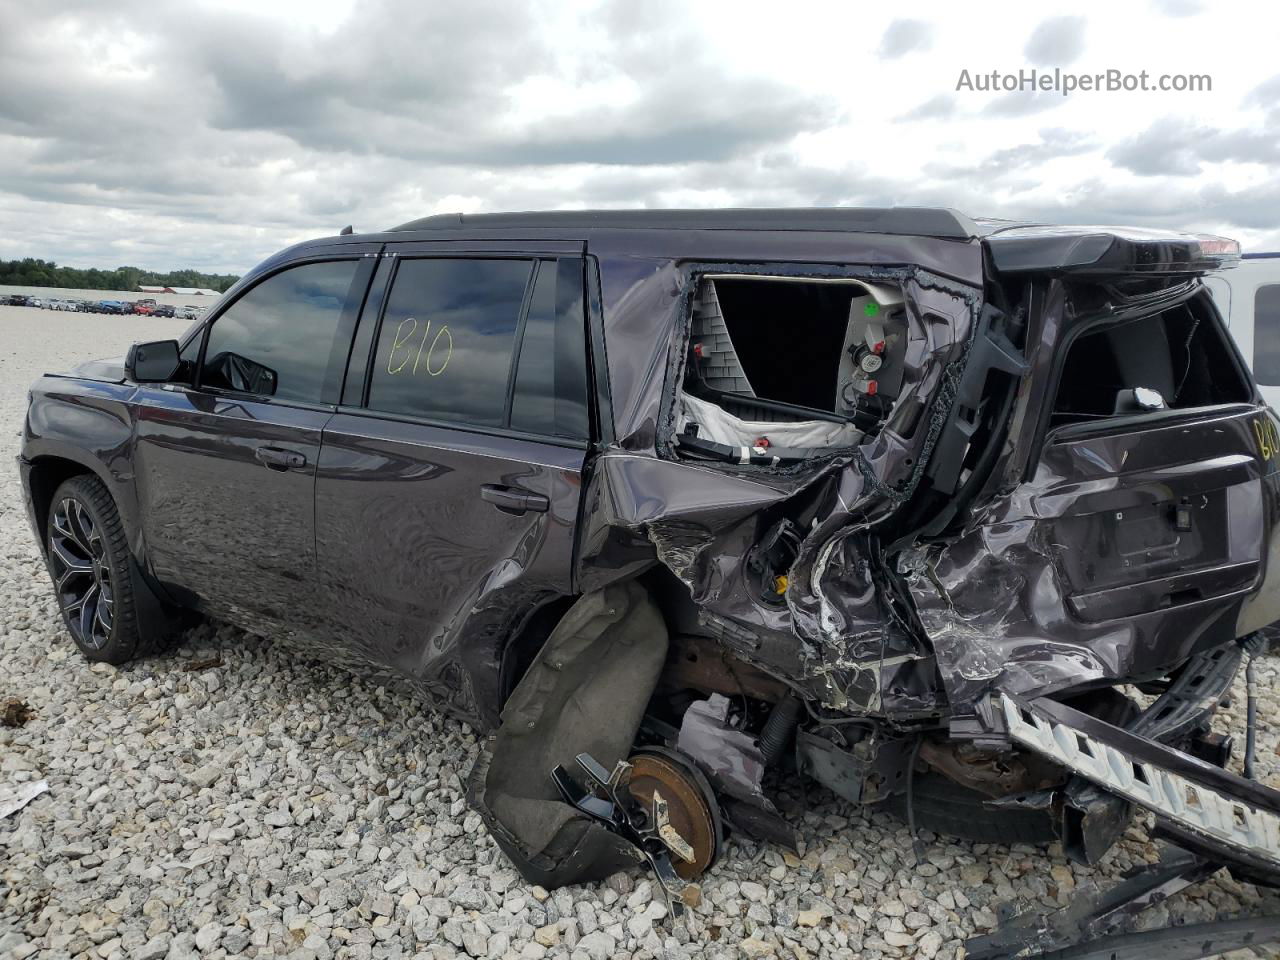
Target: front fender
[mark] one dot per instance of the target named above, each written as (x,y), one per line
(89,424)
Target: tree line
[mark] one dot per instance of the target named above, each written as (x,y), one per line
(30,272)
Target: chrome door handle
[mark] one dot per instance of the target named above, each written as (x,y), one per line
(273,458)
(513,501)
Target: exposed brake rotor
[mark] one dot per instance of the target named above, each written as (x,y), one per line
(684,806)
(662,805)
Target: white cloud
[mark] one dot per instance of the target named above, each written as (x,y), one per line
(195,133)
(1056,42)
(905,36)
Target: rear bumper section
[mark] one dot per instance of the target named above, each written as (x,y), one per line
(1192,698)
(1202,807)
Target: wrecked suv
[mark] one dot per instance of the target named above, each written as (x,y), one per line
(975,520)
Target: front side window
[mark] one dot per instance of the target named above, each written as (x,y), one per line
(190,341)
(1266,334)
(279,339)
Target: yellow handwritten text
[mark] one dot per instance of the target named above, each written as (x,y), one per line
(1268,437)
(426,357)
(400,340)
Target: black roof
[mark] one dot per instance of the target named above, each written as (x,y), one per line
(905,221)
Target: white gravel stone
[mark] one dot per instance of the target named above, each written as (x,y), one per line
(207,936)
(274,805)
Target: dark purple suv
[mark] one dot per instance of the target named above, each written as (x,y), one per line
(678,503)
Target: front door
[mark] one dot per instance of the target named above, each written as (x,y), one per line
(447,491)
(226,467)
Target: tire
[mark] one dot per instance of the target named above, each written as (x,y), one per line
(951,810)
(93,573)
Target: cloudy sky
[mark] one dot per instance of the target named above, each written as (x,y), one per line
(208,134)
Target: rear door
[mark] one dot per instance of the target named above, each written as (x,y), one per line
(226,467)
(448,482)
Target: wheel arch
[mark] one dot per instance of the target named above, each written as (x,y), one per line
(529,636)
(47,474)
(50,461)
(680,615)
(531,632)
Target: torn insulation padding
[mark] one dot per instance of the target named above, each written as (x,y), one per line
(584,694)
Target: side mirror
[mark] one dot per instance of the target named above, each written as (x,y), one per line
(154,362)
(231,371)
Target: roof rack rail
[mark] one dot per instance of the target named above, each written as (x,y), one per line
(907,221)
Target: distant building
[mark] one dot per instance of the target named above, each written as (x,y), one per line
(184,291)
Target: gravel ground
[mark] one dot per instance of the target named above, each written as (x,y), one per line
(228,799)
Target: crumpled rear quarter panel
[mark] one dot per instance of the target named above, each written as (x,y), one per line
(834,635)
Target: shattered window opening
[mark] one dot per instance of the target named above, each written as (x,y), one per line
(1174,359)
(782,367)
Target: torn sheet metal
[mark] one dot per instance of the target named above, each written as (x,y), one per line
(730,757)
(1044,594)
(836,634)
(14,797)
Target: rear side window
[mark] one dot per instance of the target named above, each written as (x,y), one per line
(492,343)
(280,339)
(1266,334)
(550,395)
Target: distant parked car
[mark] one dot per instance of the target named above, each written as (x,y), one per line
(35,302)
(188,312)
(163,310)
(144,307)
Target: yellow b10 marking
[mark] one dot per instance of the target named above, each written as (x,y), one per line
(1268,437)
(403,338)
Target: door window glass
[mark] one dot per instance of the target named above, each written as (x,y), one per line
(447,338)
(279,339)
(551,379)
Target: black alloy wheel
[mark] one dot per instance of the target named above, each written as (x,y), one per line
(81,573)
